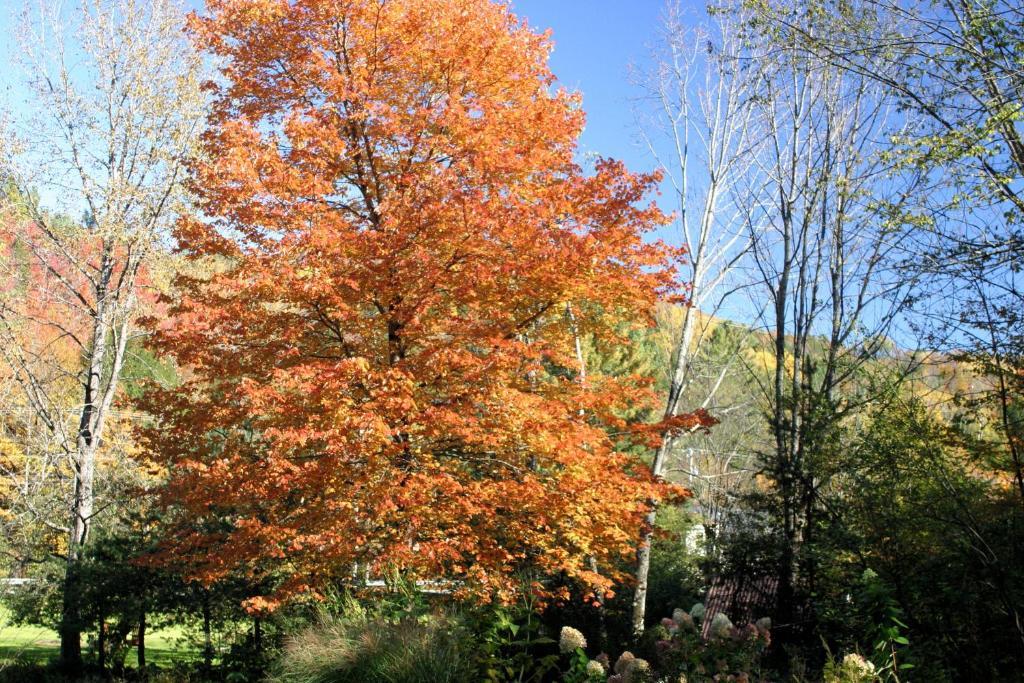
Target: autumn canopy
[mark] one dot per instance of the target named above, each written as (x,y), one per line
(398,258)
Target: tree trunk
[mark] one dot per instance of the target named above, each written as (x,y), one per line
(101,642)
(643,553)
(97,398)
(643,568)
(675,391)
(142,640)
(90,423)
(207,632)
(82,508)
(70,625)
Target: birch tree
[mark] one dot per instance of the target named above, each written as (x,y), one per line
(697,120)
(113,112)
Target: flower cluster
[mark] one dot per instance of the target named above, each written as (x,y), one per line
(854,662)
(570,640)
(727,653)
(581,669)
(853,669)
(630,669)
(721,626)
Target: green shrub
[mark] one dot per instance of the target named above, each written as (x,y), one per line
(511,644)
(358,647)
(727,653)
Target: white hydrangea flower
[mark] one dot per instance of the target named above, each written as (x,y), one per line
(720,625)
(636,670)
(686,622)
(594,669)
(858,666)
(623,661)
(698,611)
(570,639)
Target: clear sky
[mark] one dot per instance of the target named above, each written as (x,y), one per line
(596,43)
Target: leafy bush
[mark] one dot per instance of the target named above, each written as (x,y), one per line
(727,653)
(512,644)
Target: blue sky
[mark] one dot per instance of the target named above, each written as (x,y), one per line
(596,42)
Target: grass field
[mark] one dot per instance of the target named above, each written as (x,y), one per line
(36,644)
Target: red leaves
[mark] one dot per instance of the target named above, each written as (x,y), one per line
(652,433)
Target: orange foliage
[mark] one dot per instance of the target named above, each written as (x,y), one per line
(651,434)
(48,286)
(382,368)
(45,293)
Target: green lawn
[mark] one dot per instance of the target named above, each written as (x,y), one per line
(33,643)
(25,642)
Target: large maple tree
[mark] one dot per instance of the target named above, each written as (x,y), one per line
(400,254)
